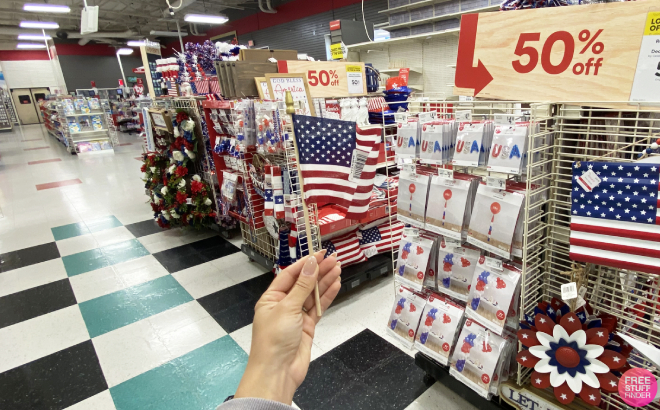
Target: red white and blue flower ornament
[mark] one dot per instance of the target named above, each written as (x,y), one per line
(567,355)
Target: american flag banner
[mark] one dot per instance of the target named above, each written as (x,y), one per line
(382,237)
(172,89)
(347,247)
(338,162)
(616,222)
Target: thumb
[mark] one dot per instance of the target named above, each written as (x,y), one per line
(304,286)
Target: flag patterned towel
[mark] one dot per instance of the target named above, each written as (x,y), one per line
(338,162)
(381,237)
(615,222)
(347,247)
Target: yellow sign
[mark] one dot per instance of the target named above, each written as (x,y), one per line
(652,24)
(353,69)
(337,51)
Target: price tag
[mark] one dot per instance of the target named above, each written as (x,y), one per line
(188,201)
(582,291)
(409,168)
(452,243)
(505,119)
(337,51)
(494,182)
(580,302)
(588,181)
(410,232)
(369,252)
(569,291)
(354,78)
(401,117)
(446,173)
(427,116)
(465,98)
(464,116)
(493,263)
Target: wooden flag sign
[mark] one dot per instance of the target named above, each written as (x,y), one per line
(328,79)
(587,53)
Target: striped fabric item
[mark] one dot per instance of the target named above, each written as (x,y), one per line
(616,222)
(202,86)
(347,247)
(383,236)
(278,191)
(338,162)
(172,89)
(214,86)
(377,104)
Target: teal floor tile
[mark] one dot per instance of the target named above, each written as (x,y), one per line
(69,231)
(93,259)
(107,313)
(199,380)
(103,223)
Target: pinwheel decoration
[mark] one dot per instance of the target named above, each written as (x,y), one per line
(573,354)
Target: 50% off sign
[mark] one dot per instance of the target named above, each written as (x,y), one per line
(555,54)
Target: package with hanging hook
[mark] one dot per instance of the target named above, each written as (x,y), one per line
(407,139)
(268,128)
(406,312)
(473,142)
(437,142)
(411,200)
(451,200)
(476,357)
(508,152)
(455,268)
(491,294)
(413,260)
(494,217)
(439,328)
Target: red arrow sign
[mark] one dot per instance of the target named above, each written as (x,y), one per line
(468,76)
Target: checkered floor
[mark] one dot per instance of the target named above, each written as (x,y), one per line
(101,309)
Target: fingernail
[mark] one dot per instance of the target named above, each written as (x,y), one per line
(334,254)
(310,267)
(338,264)
(322,252)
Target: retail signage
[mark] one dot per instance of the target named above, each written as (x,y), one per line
(328,79)
(594,52)
(524,399)
(338,51)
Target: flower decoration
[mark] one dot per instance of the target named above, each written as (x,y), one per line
(574,352)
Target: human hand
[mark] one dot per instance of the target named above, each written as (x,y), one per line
(282,332)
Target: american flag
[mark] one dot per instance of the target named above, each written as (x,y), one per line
(381,236)
(347,247)
(616,224)
(329,150)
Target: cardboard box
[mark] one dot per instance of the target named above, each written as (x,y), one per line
(263,55)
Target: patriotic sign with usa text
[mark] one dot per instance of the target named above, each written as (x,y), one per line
(338,162)
(615,222)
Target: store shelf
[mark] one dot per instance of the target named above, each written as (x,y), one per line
(412,6)
(84,114)
(257,257)
(386,164)
(99,152)
(88,132)
(442,17)
(396,70)
(92,139)
(375,267)
(374,45)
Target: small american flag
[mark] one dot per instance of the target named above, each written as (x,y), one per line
(616,224)
(347,247)
(381,236)
(172,89)
(338,162)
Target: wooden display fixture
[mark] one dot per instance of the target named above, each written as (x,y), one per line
(279,84)
(161,119)
(326,79)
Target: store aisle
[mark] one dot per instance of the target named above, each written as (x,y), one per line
(101,309)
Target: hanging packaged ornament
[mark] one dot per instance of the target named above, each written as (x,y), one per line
(411,202)
(472,143)
(451,200)
(438,328)
(413,260)
(491,293)
(455,268)
(407,139)
(509,149)
(405,316)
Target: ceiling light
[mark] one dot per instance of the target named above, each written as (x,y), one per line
(46,8)
(125,51)
(205,18)
(39,24)
(167,33)
(34,37)
(30,45)
(135,43)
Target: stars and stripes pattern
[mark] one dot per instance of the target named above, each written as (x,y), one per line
(618,223)
(327,149)
(347,247)
(383,236)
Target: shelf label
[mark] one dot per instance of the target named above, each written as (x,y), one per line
(494,264)
(494,182)
(354,78)
(464,116)
(446,173)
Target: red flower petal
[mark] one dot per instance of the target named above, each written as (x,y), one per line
(564,393)
(612,359)
(608,382)
(525,358)
(597,336)
(528,338)
(610,321)
(570,322)
(540,380)
(590,395)
(544,324)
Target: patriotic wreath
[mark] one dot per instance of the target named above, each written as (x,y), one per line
(574,352)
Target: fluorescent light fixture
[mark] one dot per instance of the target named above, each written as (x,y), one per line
(125,51)
(30,45)
(39,24)
(167,33)
(46,8)
(135,43)
(34,37)
(205,18)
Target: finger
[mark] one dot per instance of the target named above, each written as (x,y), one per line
(305,284)
(325,268)
(326,299)
(324,283)
(286,278)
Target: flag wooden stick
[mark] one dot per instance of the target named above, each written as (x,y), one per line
(288,99)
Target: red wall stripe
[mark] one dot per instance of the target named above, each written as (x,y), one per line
(21,55)
(88,49)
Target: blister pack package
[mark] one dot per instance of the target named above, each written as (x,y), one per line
(473,142)
(406,312)
(411,201)
(455,268)
(438,329)
(451,202)
(508,152)
(413,261)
